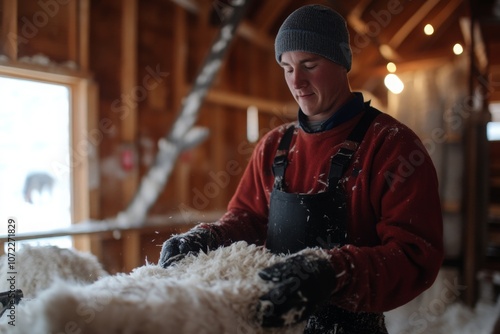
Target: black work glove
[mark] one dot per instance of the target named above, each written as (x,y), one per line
(191,242)
(302,283)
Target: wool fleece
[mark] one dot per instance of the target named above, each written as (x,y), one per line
(209,293)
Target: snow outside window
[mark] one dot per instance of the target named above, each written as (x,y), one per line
(34,144)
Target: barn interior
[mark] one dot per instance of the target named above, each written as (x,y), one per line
(162,104)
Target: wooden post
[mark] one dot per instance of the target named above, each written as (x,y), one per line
(131,243)
(180,50)
(8,34)
(84,32)
(131,240)
(72,27)
(128,88)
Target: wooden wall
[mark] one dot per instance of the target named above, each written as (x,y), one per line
(143,57)
(173,43)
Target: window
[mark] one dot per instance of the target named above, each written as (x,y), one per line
(44,179)
(493,127)
(34,131)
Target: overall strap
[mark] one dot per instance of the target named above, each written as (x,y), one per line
(280,160)
(341,160)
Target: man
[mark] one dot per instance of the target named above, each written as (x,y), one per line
(349,191)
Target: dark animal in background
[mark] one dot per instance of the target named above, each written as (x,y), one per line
(37,182)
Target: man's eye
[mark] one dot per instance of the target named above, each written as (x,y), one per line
(309,67)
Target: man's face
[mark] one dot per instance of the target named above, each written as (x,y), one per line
(318,85)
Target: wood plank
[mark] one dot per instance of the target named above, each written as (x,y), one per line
(189,5)
(255,35)
(90,227)
(287,109)
(72,27)
(84,34)
(445,13)
(128,71)
(354,17)
(8,34)
(180,51)
(269,13)
(404,31)
(128,74)
(79,164)
(131,250)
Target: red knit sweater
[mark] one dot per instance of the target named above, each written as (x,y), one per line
(394,213)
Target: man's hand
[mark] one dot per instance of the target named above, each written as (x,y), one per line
(302,283)
(193,241)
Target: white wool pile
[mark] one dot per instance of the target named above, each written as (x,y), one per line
(210,293)
(439,310)
(457,319)
(37,268)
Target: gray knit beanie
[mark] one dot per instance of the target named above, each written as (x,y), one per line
(316,29)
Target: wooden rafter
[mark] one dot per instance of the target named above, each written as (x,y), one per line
(255,35)
(191,6)
(404,31)
(444,14)
(287,109)
(269,13)
(354,17)
(246,29)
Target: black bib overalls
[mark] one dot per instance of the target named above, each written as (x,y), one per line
(298,221)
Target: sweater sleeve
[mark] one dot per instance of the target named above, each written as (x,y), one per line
(403,192)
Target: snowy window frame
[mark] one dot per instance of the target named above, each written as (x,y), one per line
(82,112)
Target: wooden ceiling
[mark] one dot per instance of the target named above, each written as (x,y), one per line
(386,30)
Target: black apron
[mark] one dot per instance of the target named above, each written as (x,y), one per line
(298,221)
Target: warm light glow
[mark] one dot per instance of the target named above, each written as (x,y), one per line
(393,83)
(391,67)
(252,124)
(428,29)
(458,49)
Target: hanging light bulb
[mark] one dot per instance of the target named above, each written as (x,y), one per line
(391,67)
(393,83)
(428,29)
(252,124)
(458,49)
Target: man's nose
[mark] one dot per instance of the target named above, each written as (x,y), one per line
(298,80)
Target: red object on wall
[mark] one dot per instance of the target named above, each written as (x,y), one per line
(127,159)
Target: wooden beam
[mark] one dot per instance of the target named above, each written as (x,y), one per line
(8,33)
(269,13)
(190,5)
(72,27)
(128,75)
(445,13)
(90,227)
(179,91)
(426,62)
(131,250)
(84,32)
(180,56)
(284,109)
(354,17)
(255,35)
(405,30)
